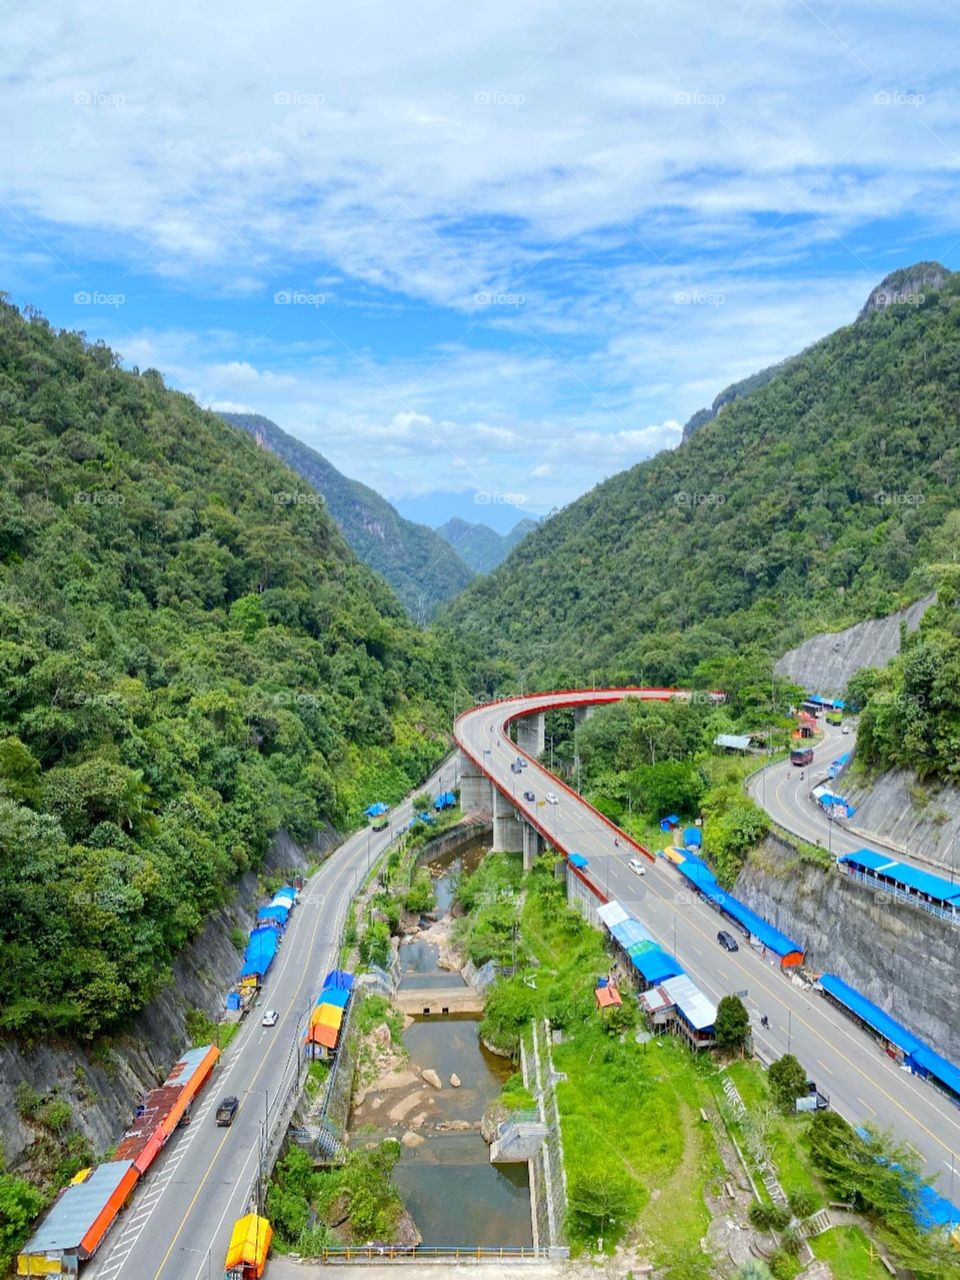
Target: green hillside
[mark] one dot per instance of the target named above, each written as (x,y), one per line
(423,569)
(810,503)
(481,547)
(189,662)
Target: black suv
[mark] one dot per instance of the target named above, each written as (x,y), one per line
(727,941)
(227,1110)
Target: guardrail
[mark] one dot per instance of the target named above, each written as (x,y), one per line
(420,1252)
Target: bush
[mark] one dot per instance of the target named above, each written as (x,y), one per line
(782,1266)
(27,1101)
(803,1203)
(375,945)
(420,896)
(768,1217)
(20,1203)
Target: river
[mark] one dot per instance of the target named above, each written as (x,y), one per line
(456,1196)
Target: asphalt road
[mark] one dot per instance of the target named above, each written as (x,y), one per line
(863,1084)
(786,797)
(179,1223)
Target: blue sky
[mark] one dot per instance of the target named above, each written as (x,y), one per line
(491,249)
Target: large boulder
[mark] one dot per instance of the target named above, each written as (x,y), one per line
(431,1078)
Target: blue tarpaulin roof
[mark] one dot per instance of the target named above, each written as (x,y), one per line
(275,911)
(375,810)
(699,874)
(445,800)
(938,1067)
(656,965)
(836,703)
(692,835)
(260,951)
(629,932)
(670,821)
(874,1017)
(337,996)
(338,978)
(578,860)
(936,887)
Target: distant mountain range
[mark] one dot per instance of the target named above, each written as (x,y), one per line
(481,547)
(498,511)
(421,566)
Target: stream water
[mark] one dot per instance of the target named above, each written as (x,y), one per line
(456,1196)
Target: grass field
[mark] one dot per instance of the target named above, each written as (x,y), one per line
(847,1250)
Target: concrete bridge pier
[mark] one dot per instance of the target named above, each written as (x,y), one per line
(580,714)
(475,788)
(507,826)
(532,845)
(531,736)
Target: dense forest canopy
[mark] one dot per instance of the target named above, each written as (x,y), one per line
(808,504)
(190,661)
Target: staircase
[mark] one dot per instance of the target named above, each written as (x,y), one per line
(815,1225)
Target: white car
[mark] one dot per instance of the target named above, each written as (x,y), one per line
(551,797)
(637,867)
(844,728)
(270,1018)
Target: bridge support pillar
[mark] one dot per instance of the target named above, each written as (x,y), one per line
(532,845)
(581,714)
(475,788)
(531,736)
(507,826)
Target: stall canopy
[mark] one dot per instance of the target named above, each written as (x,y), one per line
(608,997)
(334,995)
(699,874)
(692,837)
(249,1243)
(338,978)
(260,951)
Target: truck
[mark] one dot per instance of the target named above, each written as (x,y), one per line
(801,755)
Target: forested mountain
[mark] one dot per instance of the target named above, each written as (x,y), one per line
(481,547)
(812,502)
(421,566)
(190,661)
